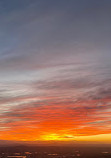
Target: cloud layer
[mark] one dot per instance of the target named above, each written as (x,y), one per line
(55,70)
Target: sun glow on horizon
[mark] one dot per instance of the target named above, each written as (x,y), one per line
(104,138)
(58,137)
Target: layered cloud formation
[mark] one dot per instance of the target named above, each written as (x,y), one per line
(68,103)
(55,67)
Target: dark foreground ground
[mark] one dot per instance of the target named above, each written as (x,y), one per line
(55,152)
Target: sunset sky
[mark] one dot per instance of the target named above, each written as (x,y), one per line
(55,70)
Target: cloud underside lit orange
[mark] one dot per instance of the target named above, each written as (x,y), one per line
(82,121)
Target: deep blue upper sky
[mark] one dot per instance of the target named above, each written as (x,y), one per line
(53,31)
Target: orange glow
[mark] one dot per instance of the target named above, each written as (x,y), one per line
(52,123)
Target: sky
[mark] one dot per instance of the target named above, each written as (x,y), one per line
(55,70)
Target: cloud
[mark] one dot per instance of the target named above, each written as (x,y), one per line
(55,69)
